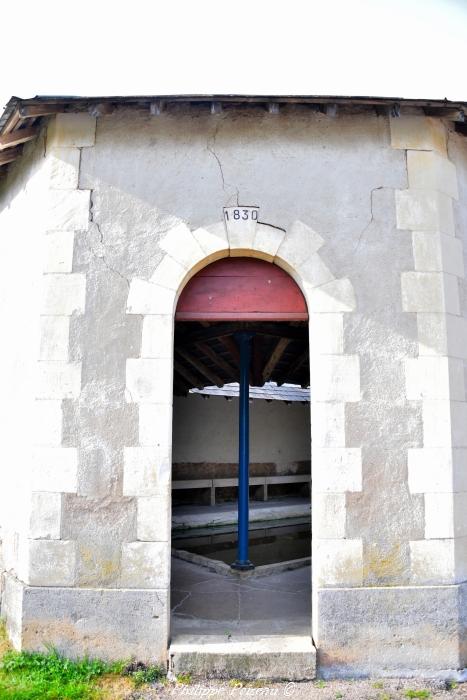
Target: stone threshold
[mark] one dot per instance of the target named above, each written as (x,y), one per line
(248,657)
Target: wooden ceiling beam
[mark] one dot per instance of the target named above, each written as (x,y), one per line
(200,367)
(10,155)
(295,366)
(43,109)
(16,137)
(217,359)
(274,358)
(221,330)
(188,376)
(230,345)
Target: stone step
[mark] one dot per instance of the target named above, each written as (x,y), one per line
(280,657)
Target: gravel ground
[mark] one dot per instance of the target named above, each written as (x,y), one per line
(389,689)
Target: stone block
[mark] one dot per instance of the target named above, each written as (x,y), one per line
(240,231)
(46,513)
(63,167)
(329,516)
(431,171)
(442,334)
(314,272)
(153,518)
(149,380)
(459,423)
(109,624)
(431,469)
(336,469)
(145,471)
(47,423)
(417,132)
(180,244)
(63,294)
(58,251)
(71,130)
(213,240)
(424,210)
(432,562)
(337,563)
(145,565)
(299,244)
(58,380)
(55,332)
(148,298)
(439,516)
(395,631)
(327,424)
(430,292)
(459,469)
(268,239)
(326,334)
(169,273)
(68,210)
(155,425)
(460,517)
(438,253)
(157,338)
(52,563)
(55,469)
(335,378)
(332,297)
(434,378)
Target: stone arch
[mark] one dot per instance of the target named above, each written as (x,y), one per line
(335,378)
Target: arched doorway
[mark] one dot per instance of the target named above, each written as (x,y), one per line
(241,334)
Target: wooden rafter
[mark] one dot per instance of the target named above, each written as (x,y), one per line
(274,358)
(295,366)
(42,109)
(216,358)
(200,367)
(10,155)
(186,374)
(16,137)
(230,345)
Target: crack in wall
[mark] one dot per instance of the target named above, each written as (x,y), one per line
(372,217)
(210,147)
(102,242)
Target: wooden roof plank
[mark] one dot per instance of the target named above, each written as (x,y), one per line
(274,358)
(16,137)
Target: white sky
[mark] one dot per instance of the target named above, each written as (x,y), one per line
(405,48)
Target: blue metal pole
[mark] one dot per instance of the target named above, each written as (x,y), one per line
(243,563)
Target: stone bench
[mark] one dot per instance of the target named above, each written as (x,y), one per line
(263,481)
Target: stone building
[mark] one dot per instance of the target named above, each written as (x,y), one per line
(109,208)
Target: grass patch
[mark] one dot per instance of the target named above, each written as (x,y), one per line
(34,676)
(417,694)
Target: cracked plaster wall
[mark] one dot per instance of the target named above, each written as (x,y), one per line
(141,175)
(338,176)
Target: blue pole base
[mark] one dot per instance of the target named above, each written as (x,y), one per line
(242,565)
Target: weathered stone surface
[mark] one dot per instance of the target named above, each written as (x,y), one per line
(71,130)
(437,252)
(54,338)
(257,657)
(58,251)
(145,565)
(428,170)
(149,380)
(424,210)
(145,470)
(337,469)
(413,131)
(52,563)
(46,514)
(55,469)
(58,380)
(63,294)
(98,623)
(48,422)
(430,292)
(64,167)
(388,631)
(149,298)
(337,562)
(335,378)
